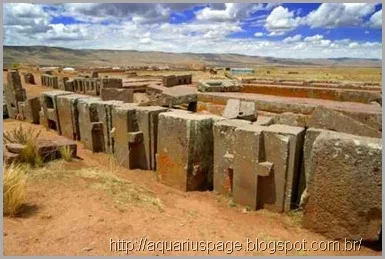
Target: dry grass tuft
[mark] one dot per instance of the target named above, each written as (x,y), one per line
(30,154)
(20,135)
(14,179)
(66,153)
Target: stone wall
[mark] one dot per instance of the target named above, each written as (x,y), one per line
(172,80)
(334,177)
(49,81)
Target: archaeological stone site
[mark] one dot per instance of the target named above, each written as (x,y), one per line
(251,139)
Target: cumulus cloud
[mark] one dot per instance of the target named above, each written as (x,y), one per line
(295,38)
(376,20)
(331,15)
(259,34)
(229,12)
(281,21)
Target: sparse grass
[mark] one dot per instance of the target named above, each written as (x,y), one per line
(122,191)
(66,153)
(20,135)
(14,179)
(295,217)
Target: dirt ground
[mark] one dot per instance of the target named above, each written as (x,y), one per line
(66,215)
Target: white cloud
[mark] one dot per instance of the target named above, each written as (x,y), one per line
(295,38)
(231,12)
(126,32)
(376,20)
(331,15)
(259,34)
(281,21)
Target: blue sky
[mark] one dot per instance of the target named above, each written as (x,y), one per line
(300,30)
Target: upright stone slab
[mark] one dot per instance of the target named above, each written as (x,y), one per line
(104,109)
(128,140)
(282,147)
(185,150)
(69,115)
(147,118)
(224,144)
(48,101)
(13,93)
(32,109)
(90,125)
(248,148)
(345,189)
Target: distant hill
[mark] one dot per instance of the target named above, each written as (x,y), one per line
(55,56)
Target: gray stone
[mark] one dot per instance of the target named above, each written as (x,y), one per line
(345,191)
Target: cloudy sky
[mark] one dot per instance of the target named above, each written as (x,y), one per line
(277,30)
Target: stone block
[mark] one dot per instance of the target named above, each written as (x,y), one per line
(104,110)
(345,190)
(237,109)
(219,86)
(264,120)
(92,137)
(15,148)
(147,119)
(62,142)
(247,150)
(32,109)
(283,147)
(124,122)
(325,118)
(124,95)
(224,144)
(10,158)
(69,115)
(48,101)
(185,150)
(13,93)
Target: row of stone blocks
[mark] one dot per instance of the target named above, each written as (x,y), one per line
(336,176)
(49,81)
(83,85)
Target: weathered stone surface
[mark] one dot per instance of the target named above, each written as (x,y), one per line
(47,149)
(111,83)
(283,147)
(10,158)
(31,110)
(48,101)
(291,119)
(325,118)
(264,120)
(147,119)
(91,136)
(104,109)
(62,142)
(172,80)
(13,93)
(219,86)
(29,78)
(185,150)
(345,196)
(124,95)
(248,150)
(124,121)
(14,147)
(224,144)
(69,115)
(310,137)
(237,109)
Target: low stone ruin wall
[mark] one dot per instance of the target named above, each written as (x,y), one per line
(172,80)
(49,81)
(14,93)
